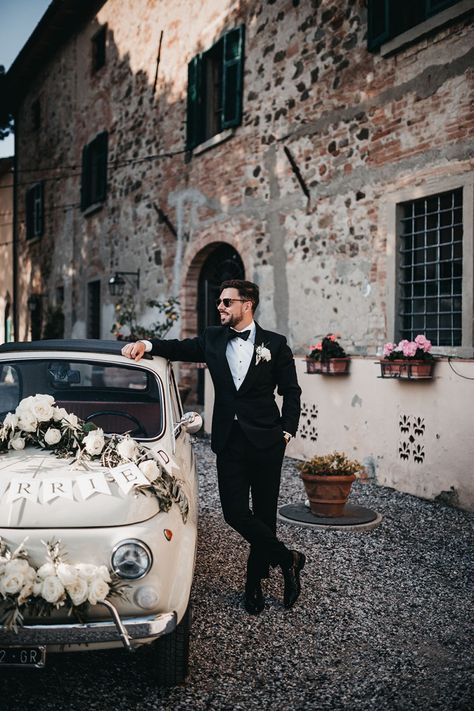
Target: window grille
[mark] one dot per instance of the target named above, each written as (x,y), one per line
(430,268)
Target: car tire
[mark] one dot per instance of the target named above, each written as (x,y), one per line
(171,653)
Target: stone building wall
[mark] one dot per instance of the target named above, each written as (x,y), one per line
(359,126)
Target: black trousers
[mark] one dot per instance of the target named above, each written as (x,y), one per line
(243,470)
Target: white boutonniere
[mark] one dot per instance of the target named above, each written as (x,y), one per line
(262,353)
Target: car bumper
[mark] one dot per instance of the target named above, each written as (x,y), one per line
(139,628)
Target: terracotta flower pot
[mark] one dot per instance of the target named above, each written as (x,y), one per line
(313,366)
(333,366)
(337,365)
(327,494)
(417,369)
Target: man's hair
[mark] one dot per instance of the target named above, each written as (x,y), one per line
(247,290)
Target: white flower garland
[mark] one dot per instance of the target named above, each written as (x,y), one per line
(52,585)
(38,422)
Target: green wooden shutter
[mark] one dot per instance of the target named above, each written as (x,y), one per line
(101,150)
(378,15)
(233,77)
(85,178)
(39,209)
(29,213)
(194,117)
(434,6)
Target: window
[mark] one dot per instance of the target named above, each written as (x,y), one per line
(431,268)
(93,309)
(390,18)
(34,211)
(36,115)
(94,171)
(98,49)
(215,83)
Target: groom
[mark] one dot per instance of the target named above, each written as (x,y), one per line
(249,435)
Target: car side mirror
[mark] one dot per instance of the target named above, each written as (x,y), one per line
(190,421)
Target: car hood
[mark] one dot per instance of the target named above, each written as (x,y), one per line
(100,509)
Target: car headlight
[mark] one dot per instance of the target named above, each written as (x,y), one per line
(131,559)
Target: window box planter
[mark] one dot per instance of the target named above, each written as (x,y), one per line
(333,366)
(407,369)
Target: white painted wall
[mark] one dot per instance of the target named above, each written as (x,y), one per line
(381,421)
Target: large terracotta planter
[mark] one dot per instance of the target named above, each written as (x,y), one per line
(327,494)
(333,366)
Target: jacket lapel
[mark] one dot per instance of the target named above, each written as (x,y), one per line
(252,372)
(222,359)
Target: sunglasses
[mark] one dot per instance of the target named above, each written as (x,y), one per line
(227,302)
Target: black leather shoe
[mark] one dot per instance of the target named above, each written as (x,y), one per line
(253,598)
(291,577)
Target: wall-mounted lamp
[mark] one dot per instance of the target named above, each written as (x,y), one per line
(119,280)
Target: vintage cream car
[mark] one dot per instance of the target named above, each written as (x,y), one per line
(100,518)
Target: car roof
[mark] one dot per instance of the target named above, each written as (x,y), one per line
(78,345)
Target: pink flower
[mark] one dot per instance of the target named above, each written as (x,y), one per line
(387,349)
(331,337)
(423,343)
(409,349)
(318,346)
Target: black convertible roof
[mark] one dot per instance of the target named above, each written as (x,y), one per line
(81,345)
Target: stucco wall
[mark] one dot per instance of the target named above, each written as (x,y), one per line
(413,436)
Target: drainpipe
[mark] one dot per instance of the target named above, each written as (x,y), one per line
(15,236)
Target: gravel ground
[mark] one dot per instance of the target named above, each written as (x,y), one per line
(384,621)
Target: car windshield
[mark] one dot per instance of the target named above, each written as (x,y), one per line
(117,398)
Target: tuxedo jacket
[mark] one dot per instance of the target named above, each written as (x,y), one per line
(254,402)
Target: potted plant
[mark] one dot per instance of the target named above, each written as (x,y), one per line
(409,360)
(327,480)
(328,357)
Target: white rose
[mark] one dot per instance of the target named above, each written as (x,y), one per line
(67,574)
(127,448)
(94,442)
(42,407)
(17,443)
(86,570)
(78,591)
(25,593)
(71,419)
(37,586)
(24,406)
(98,590)
(103,572)
(52,435)
(17,565)
(59,413)
(265,353)
(13,582)
(10,421)
(27,422)
(149,469)
(46,571)
(52,589)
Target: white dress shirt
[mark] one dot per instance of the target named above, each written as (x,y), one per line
(239,354)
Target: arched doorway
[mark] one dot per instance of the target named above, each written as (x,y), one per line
(222,264)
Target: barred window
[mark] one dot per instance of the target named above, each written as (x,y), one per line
(431,268)
(34,211)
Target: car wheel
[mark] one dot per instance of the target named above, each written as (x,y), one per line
(171,653)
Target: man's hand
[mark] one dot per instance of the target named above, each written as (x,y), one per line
(134,351)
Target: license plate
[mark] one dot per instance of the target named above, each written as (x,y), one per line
(23,657)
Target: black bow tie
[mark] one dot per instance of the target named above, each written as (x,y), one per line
(237,334)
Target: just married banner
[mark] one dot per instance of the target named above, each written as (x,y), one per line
(73,485)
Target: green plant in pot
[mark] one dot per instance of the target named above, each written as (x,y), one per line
(327,480)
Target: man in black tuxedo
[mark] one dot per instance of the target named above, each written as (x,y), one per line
(249,435)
